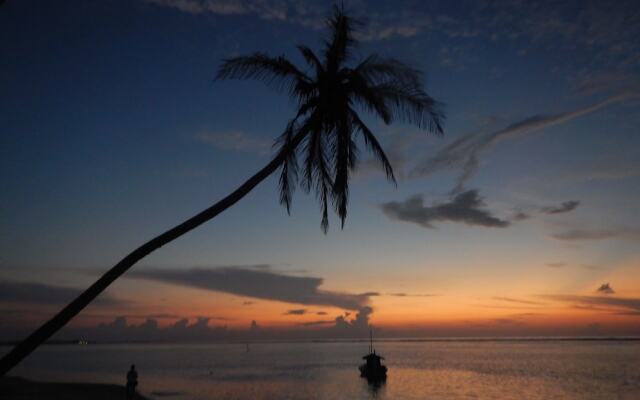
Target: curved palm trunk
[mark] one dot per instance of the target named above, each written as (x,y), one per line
(23,349)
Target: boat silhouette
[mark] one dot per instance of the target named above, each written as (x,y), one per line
(373,369)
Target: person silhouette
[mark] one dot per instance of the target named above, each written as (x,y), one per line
(132,382)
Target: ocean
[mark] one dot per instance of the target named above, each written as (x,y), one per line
(451,370)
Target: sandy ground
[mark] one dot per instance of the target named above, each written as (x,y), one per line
(22,389)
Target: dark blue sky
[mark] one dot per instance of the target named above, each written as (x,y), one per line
(112,129)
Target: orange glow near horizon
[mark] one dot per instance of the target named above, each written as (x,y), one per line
(470,306)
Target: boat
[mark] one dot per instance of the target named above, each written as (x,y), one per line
(373,369)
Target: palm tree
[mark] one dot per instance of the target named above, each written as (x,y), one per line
(324,132)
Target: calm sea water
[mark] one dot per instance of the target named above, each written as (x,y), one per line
(417,370)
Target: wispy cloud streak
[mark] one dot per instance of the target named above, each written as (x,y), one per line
(596,234)
(606,303)
(236,141)
(518,301)
(562,208)
(464,153)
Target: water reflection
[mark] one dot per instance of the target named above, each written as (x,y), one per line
(375,388)
(319,371)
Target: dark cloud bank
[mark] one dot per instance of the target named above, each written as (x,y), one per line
(257,283)
(43,294)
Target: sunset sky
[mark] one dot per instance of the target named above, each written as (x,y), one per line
(522,220)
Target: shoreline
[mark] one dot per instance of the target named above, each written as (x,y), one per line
(13,387)
(353,340)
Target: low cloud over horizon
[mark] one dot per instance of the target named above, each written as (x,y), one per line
(197,329)
(44,294)
(256,283)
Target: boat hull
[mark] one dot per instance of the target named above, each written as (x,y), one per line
(373,374)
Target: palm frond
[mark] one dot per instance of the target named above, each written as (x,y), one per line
(411,104)
(374,146)
(324,204)
(376,70)
(345,159)
(314,161)
(338,48)
(311,59)
(369,99)
(289,172)
(288,149)
(274,71)
(318,149)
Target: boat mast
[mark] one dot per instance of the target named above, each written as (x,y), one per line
(370,340)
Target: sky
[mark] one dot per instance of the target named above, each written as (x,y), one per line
(522,220)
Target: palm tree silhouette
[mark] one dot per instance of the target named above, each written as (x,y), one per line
(324,132)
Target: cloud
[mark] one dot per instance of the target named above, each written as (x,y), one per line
(321,313)
(464,208)
(518,301)
(38,293)
(525,213)
(248,303)
(605,288)
(396,152)
(601,39)
(341,326)
(605,173)
(317,323)
(403,24)
(520,216)
(379,26)
(619,305)
(260,284)
(464,153)
(149,330)
(236,141)
(265,9)
(153,316)
(597,234)
(307,14)
(359,324)
(507,321)
(402,294)
(556,264)
(298,311)
(562,208)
